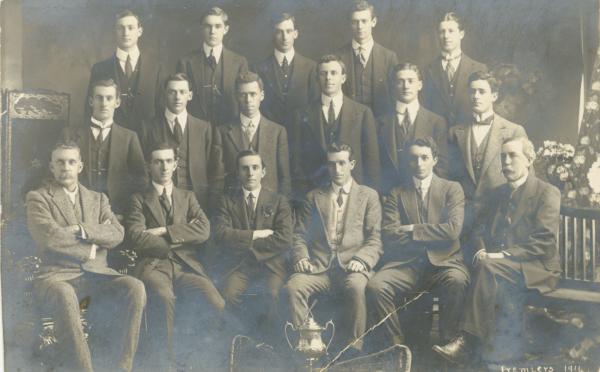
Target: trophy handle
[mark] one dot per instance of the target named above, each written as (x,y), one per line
(285,329)
(332,333)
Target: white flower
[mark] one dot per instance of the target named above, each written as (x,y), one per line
(593,177)
(563,176)
(585,140)
(591,105)
(551,169)
(596,85)
(572,194)
(579,159)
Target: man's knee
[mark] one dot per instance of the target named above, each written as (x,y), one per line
(376,287)
(355,285)
(456,280)
(60,294)
(134,289)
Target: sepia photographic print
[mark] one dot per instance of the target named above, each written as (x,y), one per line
(300,185)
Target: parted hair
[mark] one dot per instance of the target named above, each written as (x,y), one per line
(423,142)
(248,77)
(451,16)
(161,146)
(244,153)
(405,66)
(65,145)
(360,5)
(528,148)
(339,147)
(128,13)
(282,17)
(105,83)
(490,78)
(216,11)
(179,76)
(332,58)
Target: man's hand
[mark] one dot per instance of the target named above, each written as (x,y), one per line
(157,231)
(303,266)
(355,266)
(406,228)
(483,255)
(261,234)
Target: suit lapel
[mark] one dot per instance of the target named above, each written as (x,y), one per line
(265,136)
(229,70)
(389,140)
(434,200)
(354,202)
(271,74)
(408,197)
(151,200)
(61,200)
(178,205)
(463,137)
(461,77)
(235,134)
(240,209)
(298,73)
(495,138)
(84,135)
(529,191)
(439,78)
(322,206)
(88,206)
(314,122)
(347,115)
(419,126)
(117,151)
(263,200)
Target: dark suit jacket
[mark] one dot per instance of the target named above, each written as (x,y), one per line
(393,164)
(191,65)
(272,147)
(438,237)
(309,150)
(126,165)
(531,236)
(362,229)
(304,87)
(63,255)
(383,61)
(204,154)
(234,232)
(461,165)
(436,95)
(190,228)
(147,96)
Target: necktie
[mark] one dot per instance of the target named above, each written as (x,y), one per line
(100,136)
(128,67)
(251,206)
(164,201)
(340,198)
(250,131)
(212,60)
(405,125)
(360,52)
(450,70)
(177,131)
(331,113)
(420,192)
(486,121)
(285,69)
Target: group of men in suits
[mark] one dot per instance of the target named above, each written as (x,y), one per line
(307,178)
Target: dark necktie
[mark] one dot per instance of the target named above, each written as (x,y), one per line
(251,207)
(360,53)
(340,198)
(165,203)
(177,131)
(486,121)
(99,137)
(405,125)
(285,69)
(212,60)
(331,113)
(128,67)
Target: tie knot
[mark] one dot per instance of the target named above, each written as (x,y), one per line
(486,121)
(164,192)
(285,61)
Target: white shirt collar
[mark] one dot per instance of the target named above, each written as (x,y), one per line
(485,115)
(516,184)
(338,99)
(106,125)
(425,182)
(346,187)
(72,195)
(217,51)
(367,46)
(181,117)
(134,55)
(454,55)
(412,108)
(255,193)
(159,188)
(289,55)
(246,120)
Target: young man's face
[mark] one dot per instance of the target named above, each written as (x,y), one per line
(421,161)
(65,165)
(213,30)
(363,23)
(515,164)
(285,36)
(450,36)
(331,78)
(407,86)
(482,97)
(104,101)
(128,32)
(250,172)
(340,167)
(162,165)
(178,94)
(249,97)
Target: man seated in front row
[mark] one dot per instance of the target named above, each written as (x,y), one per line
(422,219)
(166,225)
(73,228)
(518,249)
(336,244)
(254,230)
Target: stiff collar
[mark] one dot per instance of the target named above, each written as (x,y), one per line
(134,54)
(255,193)
(425,183)
(288,55)
(345,187)
(217,51)
(366,47)
(102,125)
(338,99)
(412,108)
(181,117)
(159,188)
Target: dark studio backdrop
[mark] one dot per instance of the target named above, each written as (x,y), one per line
(551,42)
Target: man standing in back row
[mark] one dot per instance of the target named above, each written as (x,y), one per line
(212,71)
(368,63)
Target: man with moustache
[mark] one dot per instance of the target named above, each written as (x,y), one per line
(517,252)
(445,86)
(198,144)
(137,74)
(422,219)
(254,131)
(290,78)
(369,64)
(333,118)
(254,231)
(474,151)
(407,121)
(166,227)
(112,156)
(212,71)
(336,245)
(73,228)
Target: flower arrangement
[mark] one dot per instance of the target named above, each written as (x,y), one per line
(555,162)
